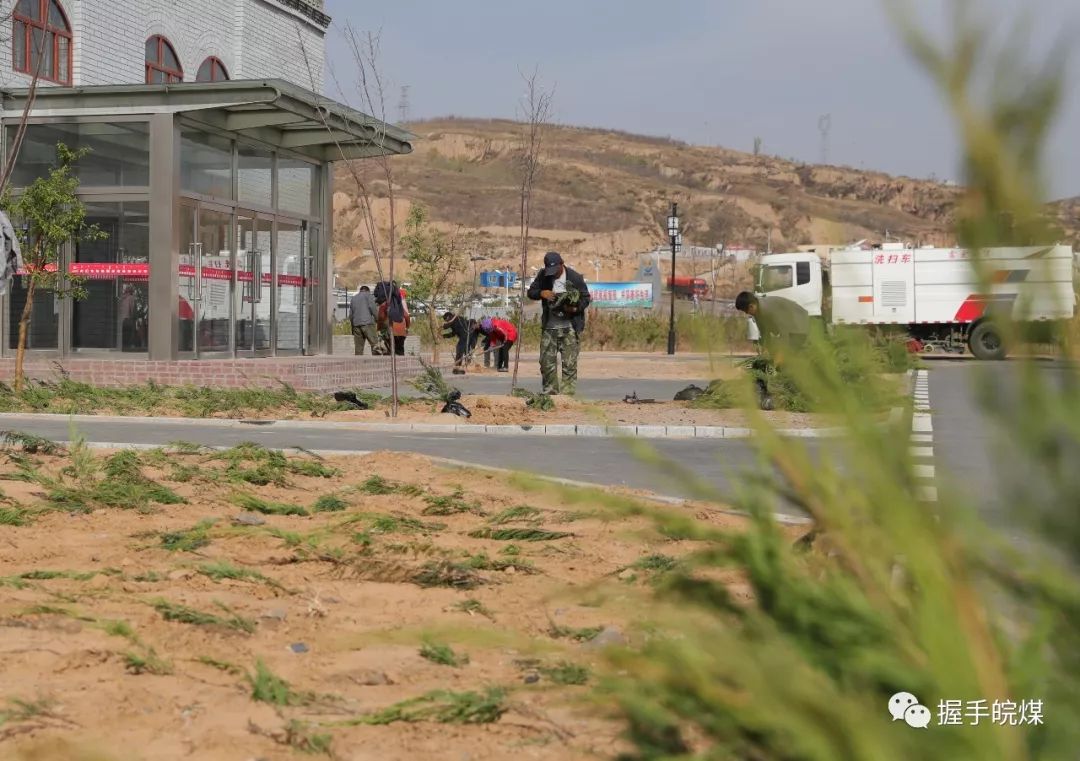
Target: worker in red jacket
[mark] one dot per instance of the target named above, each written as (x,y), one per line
(502,334)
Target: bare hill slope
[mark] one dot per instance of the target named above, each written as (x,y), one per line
(603,195)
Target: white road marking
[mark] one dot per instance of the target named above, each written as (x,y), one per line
(922,427)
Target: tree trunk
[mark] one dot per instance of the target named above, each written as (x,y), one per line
(434,335)
(24,324)
(525,210)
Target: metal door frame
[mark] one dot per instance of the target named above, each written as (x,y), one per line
(305,231)
(195,291)
(255,217)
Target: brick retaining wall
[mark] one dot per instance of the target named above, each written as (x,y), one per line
(326,373)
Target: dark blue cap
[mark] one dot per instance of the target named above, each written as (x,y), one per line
(552,263)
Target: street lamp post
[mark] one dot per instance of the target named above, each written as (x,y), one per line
(596,264)
(673,234)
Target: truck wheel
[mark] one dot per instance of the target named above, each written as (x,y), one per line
(986,342)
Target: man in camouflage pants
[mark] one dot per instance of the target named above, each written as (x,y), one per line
(554,343)
(562,322)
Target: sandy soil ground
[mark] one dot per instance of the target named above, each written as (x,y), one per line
(630,366)
(98,655)
(504,410)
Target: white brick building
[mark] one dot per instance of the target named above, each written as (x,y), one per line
(108,42)
(214,195)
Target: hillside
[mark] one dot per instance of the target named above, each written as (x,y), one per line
(603,196)
(1068,213)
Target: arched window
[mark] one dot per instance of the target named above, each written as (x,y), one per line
(212,70)
(41,34)
(162,64)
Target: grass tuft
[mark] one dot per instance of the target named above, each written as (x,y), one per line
(183,614)
(46,575)
(118,628)
(147,663)
(268,687)
(329,503)
(444,655)
(188,540)
(474,607)
(24,710)
(452,504)
(299,735)
(567,673)
(481,562)
(518,534)
(223,569)
(655,563)
(400,524)
(519,514)
(258,505)
(444,573)
(582,634)
(14,516)
(30,443)
(442,707)
(229,668)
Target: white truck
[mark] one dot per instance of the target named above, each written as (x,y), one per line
(934,294)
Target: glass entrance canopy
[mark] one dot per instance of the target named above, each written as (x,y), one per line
(215,199)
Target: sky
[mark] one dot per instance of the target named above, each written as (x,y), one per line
(710,72)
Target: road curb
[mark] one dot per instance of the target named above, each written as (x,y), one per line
(584,430)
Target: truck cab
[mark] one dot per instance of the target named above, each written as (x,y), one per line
(796,277)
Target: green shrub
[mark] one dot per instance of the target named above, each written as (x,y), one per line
(884,593)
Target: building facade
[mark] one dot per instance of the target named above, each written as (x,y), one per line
(208,169)
(111,42)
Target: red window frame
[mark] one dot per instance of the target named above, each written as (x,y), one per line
(54,34)
(218,72)
(172,76)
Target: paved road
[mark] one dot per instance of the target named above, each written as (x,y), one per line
(594,460)
(977,458)
(973,456)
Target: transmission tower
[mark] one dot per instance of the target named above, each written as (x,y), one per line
(824,124)
(403,105)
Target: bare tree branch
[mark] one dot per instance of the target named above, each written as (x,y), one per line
(369,86)
(536,105)
(20,133)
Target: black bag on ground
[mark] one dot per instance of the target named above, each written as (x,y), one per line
(454,406)
(689,394)
(348,397)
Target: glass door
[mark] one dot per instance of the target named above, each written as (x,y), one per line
(43,328)
(114,271)
(215,279)
(205,280)
(187,296)
(291,266)
(254,277)
(311,282)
